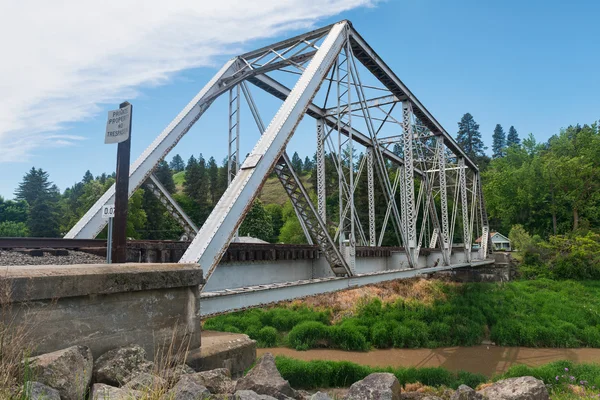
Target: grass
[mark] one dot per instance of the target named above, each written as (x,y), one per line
(333,374)
(273,193)
(327,374)
(540,313)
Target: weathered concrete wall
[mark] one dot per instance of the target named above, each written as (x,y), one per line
(106,306)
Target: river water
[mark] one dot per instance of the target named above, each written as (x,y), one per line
(483,359)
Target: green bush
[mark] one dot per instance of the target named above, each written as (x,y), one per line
(308,335)
(382,334)
(411,334)
(267,337)
(348,337)
(325,374)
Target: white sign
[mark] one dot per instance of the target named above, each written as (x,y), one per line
(118,125)
(108,211)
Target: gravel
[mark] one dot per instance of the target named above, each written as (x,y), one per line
(74,257)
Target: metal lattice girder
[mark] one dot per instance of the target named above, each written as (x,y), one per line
(173,208)
(369,58)
(464,207)
(316,226)
(321,195)
(211,241)
(371,197)
(92,222)
(409,213)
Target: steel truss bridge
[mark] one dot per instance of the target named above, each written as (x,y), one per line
(429,197)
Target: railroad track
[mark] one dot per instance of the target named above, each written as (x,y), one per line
(60,243)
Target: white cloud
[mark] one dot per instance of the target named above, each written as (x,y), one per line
(62,59)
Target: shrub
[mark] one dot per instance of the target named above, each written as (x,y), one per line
(267,337)
(348,337)
(308,335)
(324,374)
(382,334)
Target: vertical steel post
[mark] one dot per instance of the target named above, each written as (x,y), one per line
(409,186)
(321,194)
(445,234)
(122,196)
(465,207)
(371,196)
(109,241)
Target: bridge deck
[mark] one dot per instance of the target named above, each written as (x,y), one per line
(218,302)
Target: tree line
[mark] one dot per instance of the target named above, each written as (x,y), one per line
(547,187)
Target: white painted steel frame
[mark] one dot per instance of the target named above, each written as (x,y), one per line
(213,238)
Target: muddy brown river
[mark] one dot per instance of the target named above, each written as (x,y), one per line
(485,360)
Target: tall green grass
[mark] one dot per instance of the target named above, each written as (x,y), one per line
(325,374)
(540,313)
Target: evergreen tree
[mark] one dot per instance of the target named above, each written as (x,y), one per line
(297,163)
(163,173)
(469,137)
(513,137)
(257,222)
(202,184)
(43,218)
(499,142)
(177,163)
(88,177)
(308,164)
(192,175)
(35,185)
(213,180)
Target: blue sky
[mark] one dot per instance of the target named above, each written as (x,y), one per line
(531,64)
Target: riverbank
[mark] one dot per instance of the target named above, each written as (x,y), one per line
(485,360)
(421,313)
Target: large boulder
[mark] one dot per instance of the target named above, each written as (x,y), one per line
(464,392)
(523,388)
(378,386)
(118,366)
(100,391)
(264,378)
(216,380)
(145,381)
(187,389)
(250,395)
(69,371)
(39,391)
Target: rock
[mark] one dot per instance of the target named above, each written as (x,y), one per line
(378,386)
(250,395)
(466,393)
(116,367)
(320,396)
(69,371)
(173,374)
(145,381)
(39,391)
(101,391)
(264,378)
(216,380)
(187,389)
(523,388)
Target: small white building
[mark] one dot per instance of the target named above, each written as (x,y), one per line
(499,242)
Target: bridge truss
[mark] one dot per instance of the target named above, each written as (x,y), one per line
(423,191)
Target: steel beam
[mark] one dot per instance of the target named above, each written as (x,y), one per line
(173,208)
(369,58)
(321,194)
(214,303)
(209,245)
(92,222)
